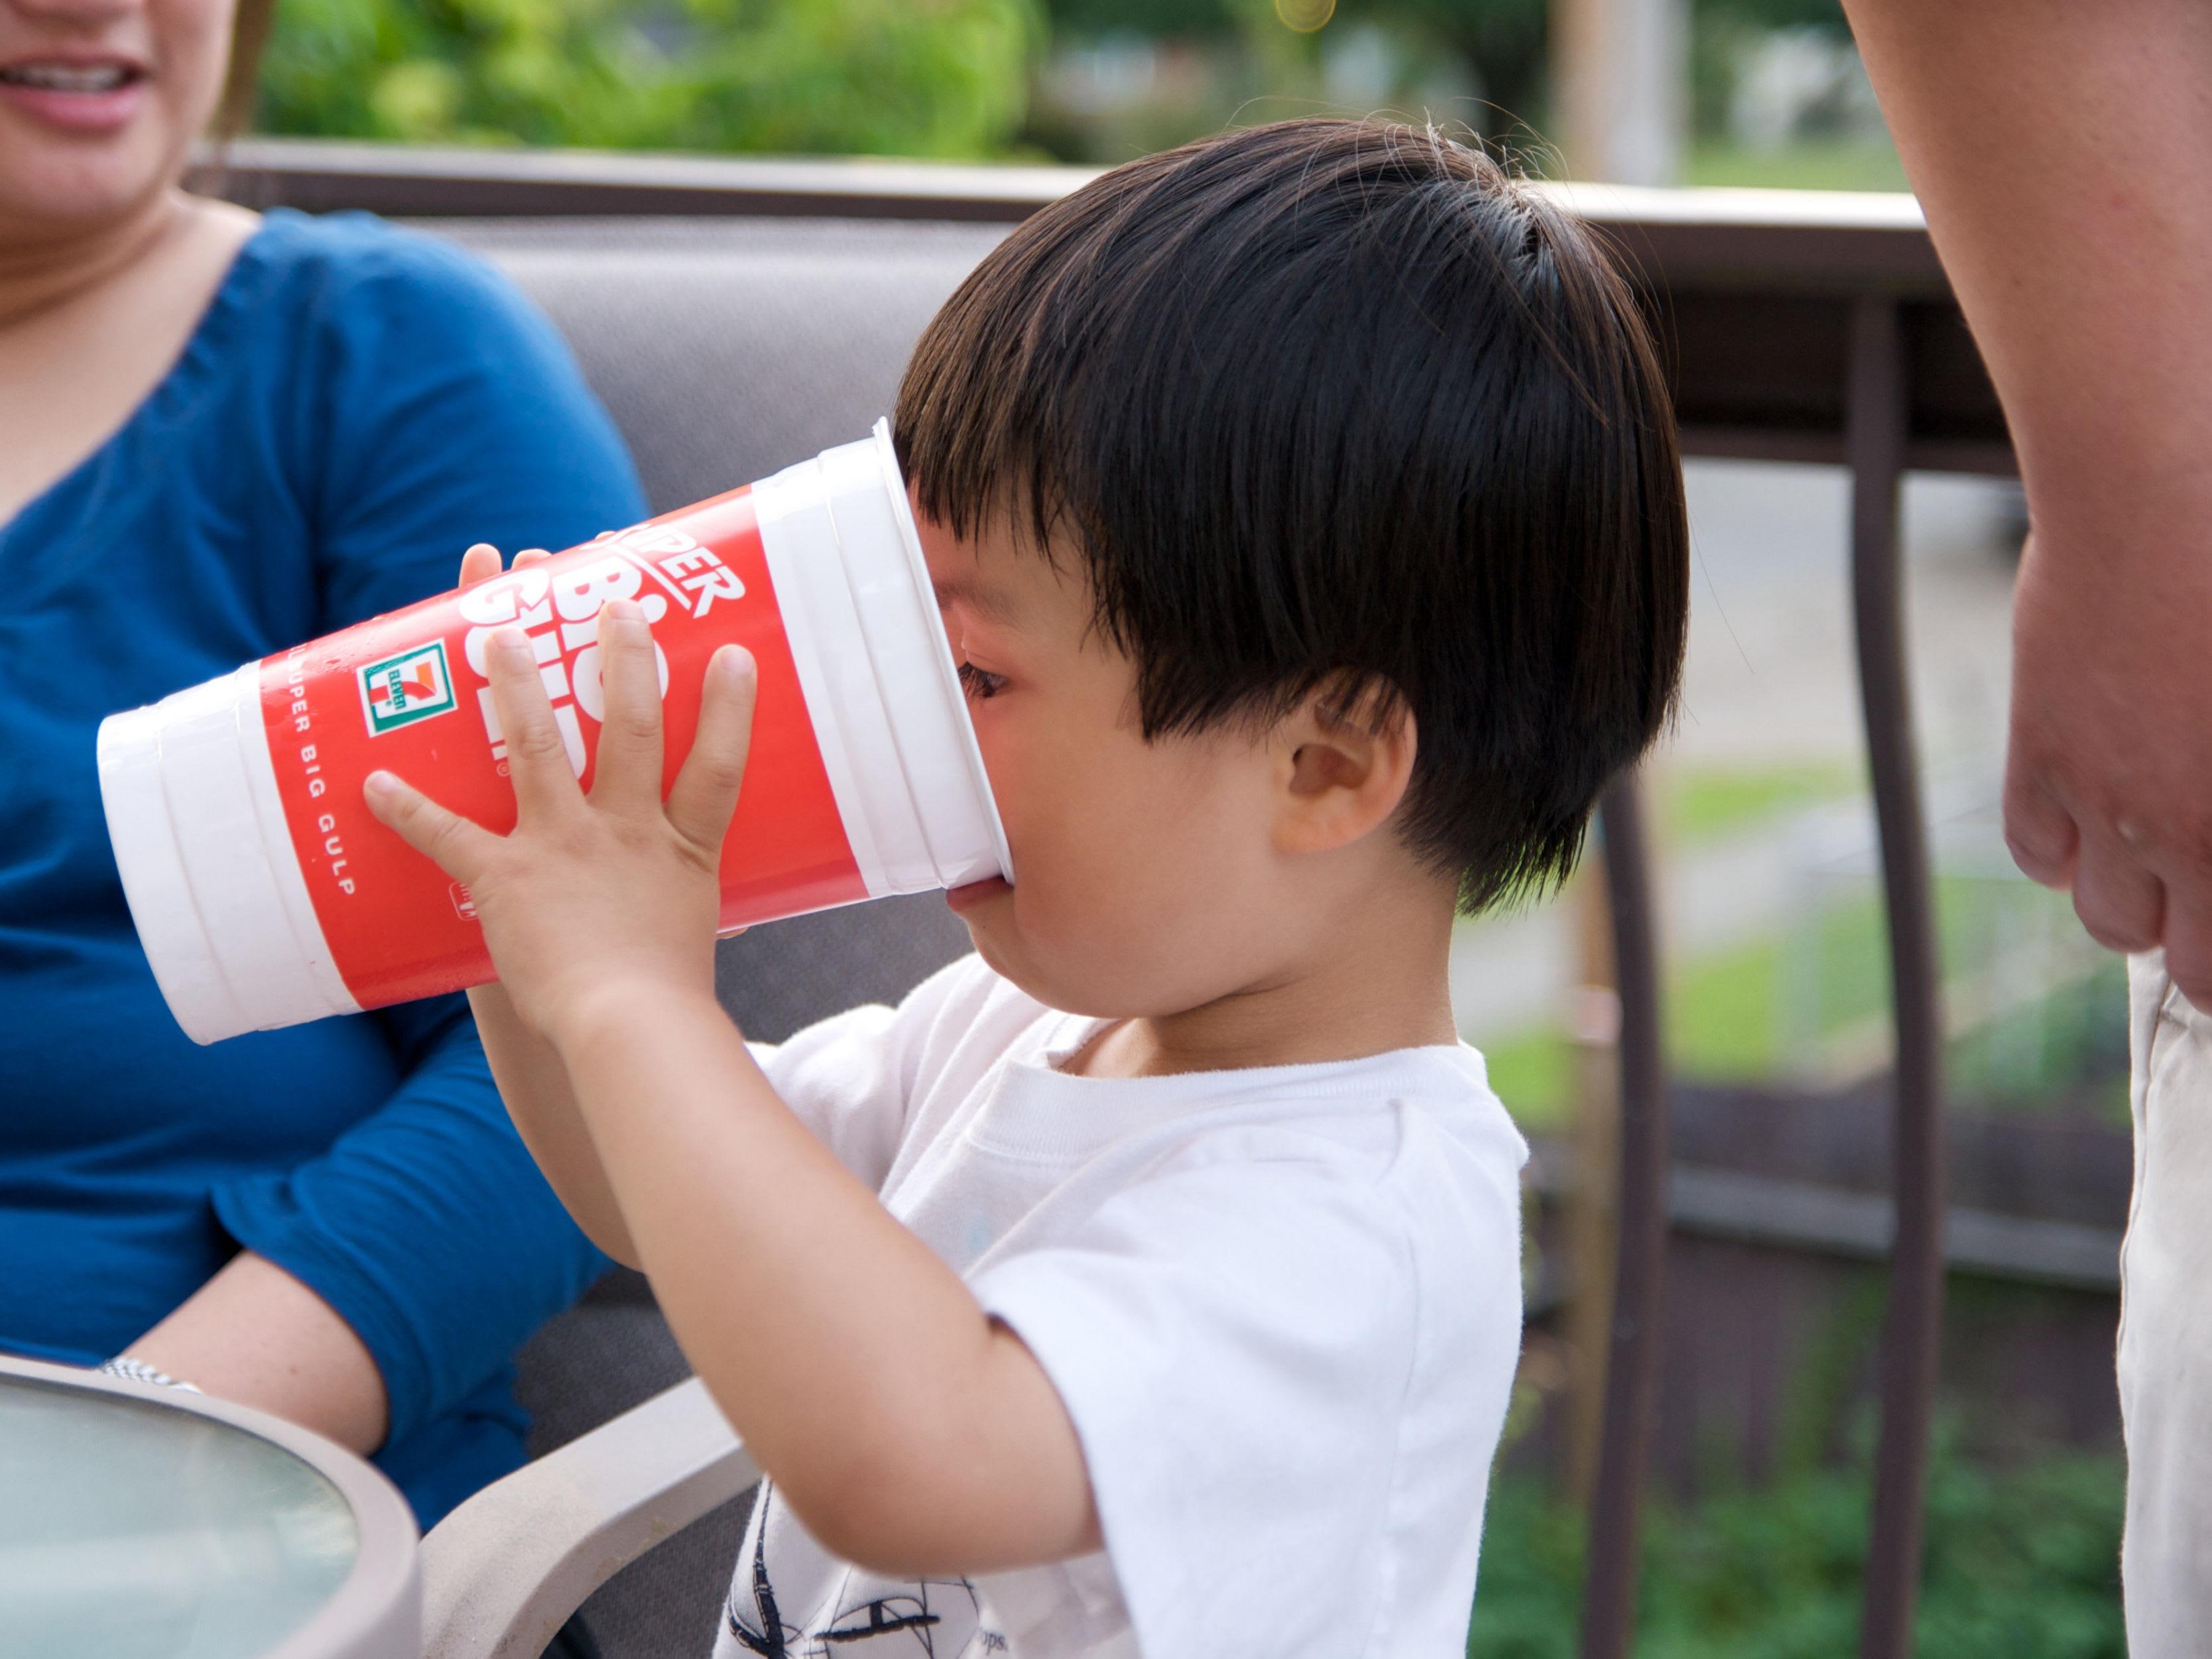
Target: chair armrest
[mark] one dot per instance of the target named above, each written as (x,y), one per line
(503,1572)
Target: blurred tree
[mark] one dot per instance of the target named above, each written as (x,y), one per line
(916,78)
(1505,40)
(1153,17)
(1778,14)
(1502,41)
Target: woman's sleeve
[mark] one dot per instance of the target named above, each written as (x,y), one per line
(435,408)
(439,408)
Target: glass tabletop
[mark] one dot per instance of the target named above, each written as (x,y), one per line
(130,1528)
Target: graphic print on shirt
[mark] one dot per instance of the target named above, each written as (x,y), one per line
(918,1611)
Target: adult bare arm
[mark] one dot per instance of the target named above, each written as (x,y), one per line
(2064,156)
(256,1335)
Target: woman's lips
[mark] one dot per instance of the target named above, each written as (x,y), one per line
(974,892)
(75,95)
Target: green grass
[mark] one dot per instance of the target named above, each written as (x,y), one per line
(1732,1015)
(1696,804)
(1720,1016)
(1534,1074)
(1832,164)
(1720,1026)
(2021,1564)
(1727,1019)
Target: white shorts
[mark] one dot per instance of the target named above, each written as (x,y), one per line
(2166,1322)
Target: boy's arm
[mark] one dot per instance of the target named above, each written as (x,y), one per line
(527,1072)
(535,1086)
(909,1432)
(906,1430)
(2063,153)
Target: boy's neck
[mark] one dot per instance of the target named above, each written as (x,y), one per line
(1379,985)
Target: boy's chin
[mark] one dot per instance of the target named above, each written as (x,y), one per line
(973,904)
(986,916)
(973,894)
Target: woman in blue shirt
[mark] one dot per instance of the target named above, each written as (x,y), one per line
(221,435)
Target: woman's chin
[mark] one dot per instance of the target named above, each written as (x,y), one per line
(82,178)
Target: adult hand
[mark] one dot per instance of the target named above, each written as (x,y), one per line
(609,898)
(2108,777)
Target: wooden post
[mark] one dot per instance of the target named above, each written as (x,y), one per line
(1878,421)
(1621,75)
(1594,1135)
(1639,1218)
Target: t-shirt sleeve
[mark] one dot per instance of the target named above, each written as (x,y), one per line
(852,1079)
(841,1078)
(441,409)
(1233,1338)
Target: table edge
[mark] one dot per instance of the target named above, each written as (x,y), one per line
(376,1610)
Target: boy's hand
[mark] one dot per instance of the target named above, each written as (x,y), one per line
(599,901)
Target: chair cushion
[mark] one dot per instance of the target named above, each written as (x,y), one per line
(727,348)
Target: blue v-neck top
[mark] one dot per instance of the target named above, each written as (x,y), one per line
(358,405)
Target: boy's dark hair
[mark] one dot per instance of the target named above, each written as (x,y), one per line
(1337,405)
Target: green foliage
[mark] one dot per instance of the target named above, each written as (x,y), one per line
(1153,17)
(917,77)
(1191,17)
(2018,1564)
(1503,41)
(1842,163)
(1775,13)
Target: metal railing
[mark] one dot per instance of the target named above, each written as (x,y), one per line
(1797,327)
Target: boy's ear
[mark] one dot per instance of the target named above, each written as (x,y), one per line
(1341,770)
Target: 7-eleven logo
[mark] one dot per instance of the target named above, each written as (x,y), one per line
(411,687)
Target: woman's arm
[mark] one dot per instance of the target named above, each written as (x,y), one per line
(256,1335)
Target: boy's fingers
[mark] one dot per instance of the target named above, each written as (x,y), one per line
(631,758)
(445,838)
(706,791)
(480,564)
(531,555)
(539,764)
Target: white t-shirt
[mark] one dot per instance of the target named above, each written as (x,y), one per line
(1282,1306)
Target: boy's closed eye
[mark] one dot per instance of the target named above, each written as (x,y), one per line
(980,682)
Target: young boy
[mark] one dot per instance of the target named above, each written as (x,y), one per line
(1305,509)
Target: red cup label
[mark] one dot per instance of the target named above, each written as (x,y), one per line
(407,693)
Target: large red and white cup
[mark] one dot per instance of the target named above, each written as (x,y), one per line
(266,894)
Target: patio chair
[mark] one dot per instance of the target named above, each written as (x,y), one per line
(725,349)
